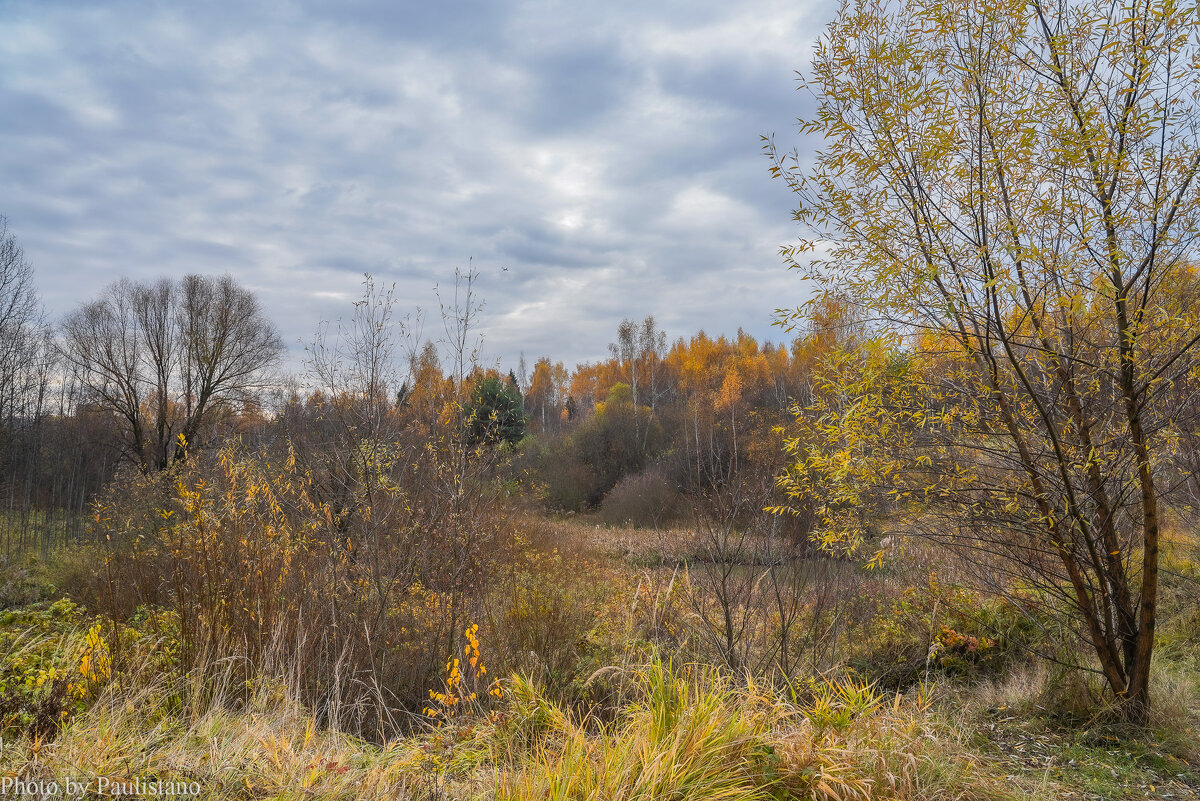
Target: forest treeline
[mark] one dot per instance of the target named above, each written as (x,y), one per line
(354,520)
(135,379)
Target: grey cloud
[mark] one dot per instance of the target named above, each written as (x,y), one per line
(607,156)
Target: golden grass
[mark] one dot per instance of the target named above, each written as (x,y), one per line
(689,734)
(667,732)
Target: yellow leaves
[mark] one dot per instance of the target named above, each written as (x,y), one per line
(855,443)
(94,667)
(461,687)
(471,650)
(41,677)
(95,662)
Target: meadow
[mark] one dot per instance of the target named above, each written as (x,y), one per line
(593,665)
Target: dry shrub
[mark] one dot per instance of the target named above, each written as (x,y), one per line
(644,499)
(568,486)
(562,613)
(543,616)
(120,566)
(361,617)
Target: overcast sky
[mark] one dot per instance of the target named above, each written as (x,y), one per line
(595,162)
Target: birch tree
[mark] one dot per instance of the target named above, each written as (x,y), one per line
(1006,188)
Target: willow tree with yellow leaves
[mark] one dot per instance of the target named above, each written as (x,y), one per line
(1007,189)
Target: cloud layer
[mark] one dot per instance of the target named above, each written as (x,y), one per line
(595,163)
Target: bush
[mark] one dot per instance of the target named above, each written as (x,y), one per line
(948,631)
(361,610)
(568,485)
(576,470)
(645,499)
(22,582)
(56,660)
(540,614)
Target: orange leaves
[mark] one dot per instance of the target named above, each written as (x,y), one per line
(461,688)
(730,393)
(724,371)
(471,649)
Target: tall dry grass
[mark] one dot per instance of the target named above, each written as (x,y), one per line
(686,733)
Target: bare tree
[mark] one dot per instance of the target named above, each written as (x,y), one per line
(26,368)
(639,351)
(166,358)
(22,331)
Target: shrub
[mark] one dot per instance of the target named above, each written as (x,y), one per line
(56,660)
(362,611)
(947,630)
(577,469)
(22,582)
(644,499)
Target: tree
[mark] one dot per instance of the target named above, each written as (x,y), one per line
(349,443)
(1010,185)
(638,353)
(494,413)
(543,396)
(23,349)
(26,371)
(166,357)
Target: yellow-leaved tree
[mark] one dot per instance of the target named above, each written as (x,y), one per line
(1006,189)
